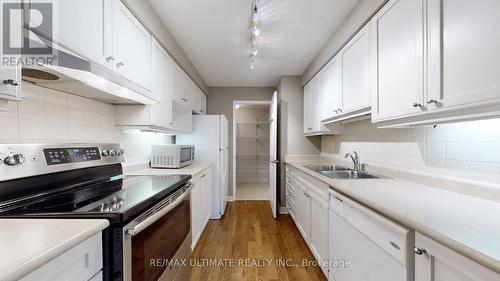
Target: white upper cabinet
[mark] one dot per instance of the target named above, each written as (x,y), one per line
(398,59)
(435,262)
(308,108)
(161,113)
(199,101)
(183,87)
(464,57)
(10,83)
(332,88)
(86,31)
(435,61)
(313,107)
(131,46)
(356,72)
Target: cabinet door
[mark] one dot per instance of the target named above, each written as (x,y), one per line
(84,27)
(317,104)
(131,46)
(161,113)
(10,76)
(308,106)
(10,83)
(182,87)
(203,109)
(303,212)
(464,61)
(356,72)
(196,210)
(398,60)
(439,263)
(332,88)
(188,96)
(319,229)
(206,195)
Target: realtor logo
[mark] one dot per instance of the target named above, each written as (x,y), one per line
(22,26)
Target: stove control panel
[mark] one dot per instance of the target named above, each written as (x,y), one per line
(27,160)
(55,156)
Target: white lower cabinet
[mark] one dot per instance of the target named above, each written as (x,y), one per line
(80,263)
(201,203)
(303,213)
(319,230)
(311,212)
(435,262)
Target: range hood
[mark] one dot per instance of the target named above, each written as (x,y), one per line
(73,74)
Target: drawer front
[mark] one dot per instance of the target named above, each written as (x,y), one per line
(79,263)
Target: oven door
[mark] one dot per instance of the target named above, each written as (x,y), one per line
(157,245)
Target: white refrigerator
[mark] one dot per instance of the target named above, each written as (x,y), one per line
(210,136)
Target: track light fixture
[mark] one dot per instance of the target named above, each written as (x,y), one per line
(254,33)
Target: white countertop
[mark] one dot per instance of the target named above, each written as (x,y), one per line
(466,224)
(26,244)
(192,169)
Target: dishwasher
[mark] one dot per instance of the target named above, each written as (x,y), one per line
(369,246)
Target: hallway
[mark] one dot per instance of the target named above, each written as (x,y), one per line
(248,233)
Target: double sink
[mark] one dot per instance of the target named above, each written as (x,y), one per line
(336,172)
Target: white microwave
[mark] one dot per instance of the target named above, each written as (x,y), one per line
(171,155)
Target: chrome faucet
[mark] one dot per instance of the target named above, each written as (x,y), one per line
(355,160)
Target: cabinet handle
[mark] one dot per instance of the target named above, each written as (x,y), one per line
(340,110)
(335,110)
(309,129)
(204,175)
(120,64)
(419,251)
(201,110)
(184,99)
(417,104)
(434,102)
(110,59)
(11,82)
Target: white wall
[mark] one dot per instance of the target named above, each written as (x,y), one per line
(461,149)
(361,13)
(291,137)
(46,116)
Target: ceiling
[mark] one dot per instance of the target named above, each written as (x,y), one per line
(215,36)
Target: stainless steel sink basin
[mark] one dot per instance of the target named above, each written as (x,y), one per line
(326,168)
(347,175)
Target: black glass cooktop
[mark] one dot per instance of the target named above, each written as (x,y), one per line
(118,196)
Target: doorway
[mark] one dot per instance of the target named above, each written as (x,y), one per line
(251,129)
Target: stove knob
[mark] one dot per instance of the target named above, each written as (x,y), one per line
(112,152)
(120,151)
(9,160)
(105,153)
(14,159)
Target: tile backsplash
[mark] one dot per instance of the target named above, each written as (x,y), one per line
(462,149)
(45,116)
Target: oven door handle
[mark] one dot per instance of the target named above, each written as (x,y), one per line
(141,225)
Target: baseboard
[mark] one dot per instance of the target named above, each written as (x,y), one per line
(284,210)
(230,199)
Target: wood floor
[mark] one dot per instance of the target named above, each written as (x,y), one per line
(258,246)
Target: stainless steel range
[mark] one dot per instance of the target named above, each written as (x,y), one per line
(86,181)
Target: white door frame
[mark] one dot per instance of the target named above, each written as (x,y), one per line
(240,102)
